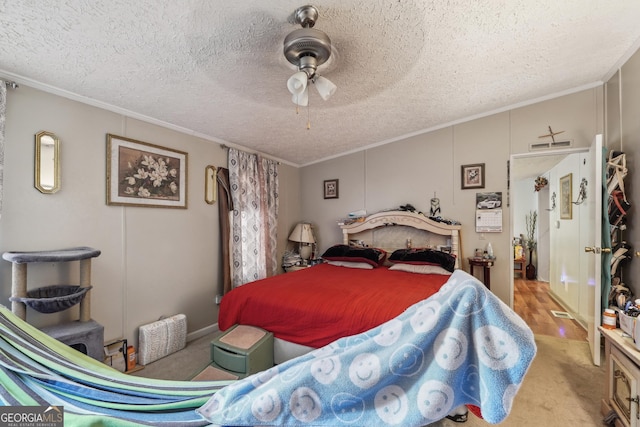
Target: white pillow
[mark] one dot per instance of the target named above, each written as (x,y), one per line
(420,268)
(362,265)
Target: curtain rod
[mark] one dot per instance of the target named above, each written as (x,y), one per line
(12,85)
(223,146)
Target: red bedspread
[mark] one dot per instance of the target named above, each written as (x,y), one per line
(318,305)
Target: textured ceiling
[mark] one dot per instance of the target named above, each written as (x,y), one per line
(216,67)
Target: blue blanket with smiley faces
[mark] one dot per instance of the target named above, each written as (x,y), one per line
(462,346)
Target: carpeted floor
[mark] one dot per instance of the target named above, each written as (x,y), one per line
(181,365)
(562,387)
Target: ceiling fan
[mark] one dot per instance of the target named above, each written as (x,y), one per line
(307,48)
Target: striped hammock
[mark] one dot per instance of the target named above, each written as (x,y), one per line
(37,370)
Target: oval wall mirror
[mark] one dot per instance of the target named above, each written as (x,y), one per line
(47,162)
(210,184)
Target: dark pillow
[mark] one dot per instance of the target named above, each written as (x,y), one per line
(372,256)
(423,256)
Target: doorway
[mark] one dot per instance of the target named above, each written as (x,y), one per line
(534,299)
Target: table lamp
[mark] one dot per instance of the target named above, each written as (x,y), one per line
(303,235)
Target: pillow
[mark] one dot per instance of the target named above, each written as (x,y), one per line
(423,256)
(372,256)
(420,269)
(362,265)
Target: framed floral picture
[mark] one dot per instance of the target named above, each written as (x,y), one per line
(331,189)
(472,176)
(146,175)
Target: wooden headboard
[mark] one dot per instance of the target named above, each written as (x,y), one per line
(391,230)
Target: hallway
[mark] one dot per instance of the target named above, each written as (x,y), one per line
(532,302)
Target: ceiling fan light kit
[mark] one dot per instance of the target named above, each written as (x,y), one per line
(307,49)
(297,85)
(325,87)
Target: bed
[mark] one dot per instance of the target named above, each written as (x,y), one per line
(312,307)
(461,346)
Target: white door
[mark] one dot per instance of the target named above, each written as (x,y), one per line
(591,230)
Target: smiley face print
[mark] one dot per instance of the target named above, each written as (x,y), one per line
(389,333)
(235,409)
(327,350)
(267,406)
(292,373)
(392,405)
(326,370)
(407,360)
(496,348)
(347,407)
(472,385)
(305,404)
(435,400)
(450,349)
(364,371)
(468,300)
(425,317)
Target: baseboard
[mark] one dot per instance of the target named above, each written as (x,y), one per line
(211,329)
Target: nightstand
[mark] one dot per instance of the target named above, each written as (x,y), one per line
(485,264)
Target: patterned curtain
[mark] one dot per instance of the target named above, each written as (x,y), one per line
(3,104)
(269,183)
(254,192)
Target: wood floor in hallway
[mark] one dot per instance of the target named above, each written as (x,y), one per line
(531,300)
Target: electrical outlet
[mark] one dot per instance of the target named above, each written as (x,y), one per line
(218,299)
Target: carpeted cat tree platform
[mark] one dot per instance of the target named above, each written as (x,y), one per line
(85,334)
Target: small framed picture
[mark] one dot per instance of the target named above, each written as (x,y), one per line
(472,176)
(331,189)
(566,211)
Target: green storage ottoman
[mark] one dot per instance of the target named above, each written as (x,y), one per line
(243,350)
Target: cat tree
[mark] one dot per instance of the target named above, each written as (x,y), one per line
(85,334)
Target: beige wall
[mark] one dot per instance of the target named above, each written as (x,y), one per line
(413,169)
(155,261)
(158,262)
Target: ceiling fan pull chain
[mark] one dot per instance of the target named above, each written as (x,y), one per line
(308,118)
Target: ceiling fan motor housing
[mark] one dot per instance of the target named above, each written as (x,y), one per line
(301,45)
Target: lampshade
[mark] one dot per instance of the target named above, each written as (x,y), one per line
(302,233)
(325,87)
(297,83)
(301,99)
